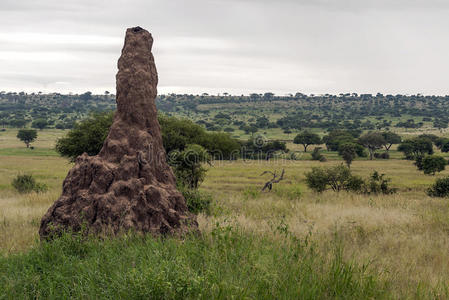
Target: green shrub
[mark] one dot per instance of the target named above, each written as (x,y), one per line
(433,163)
(340,178)
(188,165)
(316,155)
(355,184)
(418,162)
(196,200)
(26,183)
(440,188)
(317,179)
(378,184)
(414,147)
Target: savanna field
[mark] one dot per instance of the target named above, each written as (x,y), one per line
(284,244)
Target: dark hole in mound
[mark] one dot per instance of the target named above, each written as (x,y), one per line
(137,29)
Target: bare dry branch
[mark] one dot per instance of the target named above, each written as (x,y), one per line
(275,179)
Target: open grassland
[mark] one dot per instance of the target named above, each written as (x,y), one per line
(402,237)
(43,146)
(279,244)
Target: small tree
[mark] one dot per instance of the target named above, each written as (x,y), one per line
(390,139)
(188,167)
(433,163)
(372,141)
(307,138)
(415,147)
(87,136)
(27,136)
(39,123)
(348,152)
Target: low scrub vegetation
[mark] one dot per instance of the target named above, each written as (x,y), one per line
(197,201)
(340,178)
(25,183)
(440,188)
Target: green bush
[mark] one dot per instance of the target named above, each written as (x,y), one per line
(378,184)
(340,178)
(416,147)
(317,179)
(440,188)
(26,183)
(188,165)
(196,200)
(433,163)
(89,135)
(316,155)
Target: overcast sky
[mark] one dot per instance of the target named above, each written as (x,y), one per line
(234,46)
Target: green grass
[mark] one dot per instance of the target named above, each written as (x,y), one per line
(28,152)
(224,264)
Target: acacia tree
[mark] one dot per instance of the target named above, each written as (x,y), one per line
(372,141)
(27,136)
(307,138)
(390,139)
(348,152)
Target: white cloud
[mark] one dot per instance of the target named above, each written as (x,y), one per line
(238,46)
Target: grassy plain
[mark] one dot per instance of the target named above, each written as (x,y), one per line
(399,240)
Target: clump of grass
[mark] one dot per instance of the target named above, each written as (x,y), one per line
(251,193)
(291,192)
(25,183)
(223,264)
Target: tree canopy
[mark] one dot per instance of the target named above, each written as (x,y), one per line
(414,147)
(372,141)
(390,138)
(27,136)
(88,136)
(307,138)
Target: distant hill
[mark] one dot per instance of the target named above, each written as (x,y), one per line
(246,113)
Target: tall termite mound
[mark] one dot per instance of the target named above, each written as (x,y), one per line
(129,184)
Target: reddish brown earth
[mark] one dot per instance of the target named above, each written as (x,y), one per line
(128,185)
